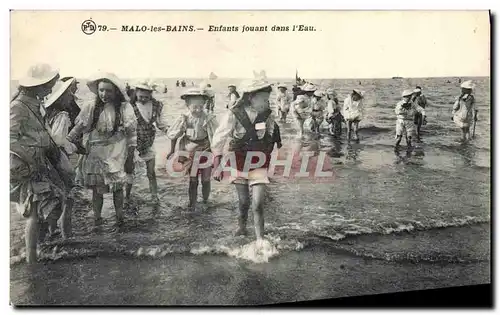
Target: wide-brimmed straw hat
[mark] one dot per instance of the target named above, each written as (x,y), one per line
(95,79)
(309,87)
(253,85)
(300,99)
(407,93)
(359,92)
(58,91)
(194,92)
(144,85)
(282,86)
(331,91)
(417,90)
(38,74)
(467,85)
(231,85)
(318,93)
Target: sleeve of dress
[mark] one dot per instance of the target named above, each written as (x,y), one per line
(346,105)
(130,125)
(419,109)
(456,105)
(161,122)
(82,122)
(397,110)
(232,100)
(178,128)
(222,133)
(59,132)
(19,118)
(211,125)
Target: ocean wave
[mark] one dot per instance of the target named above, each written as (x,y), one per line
(279,240)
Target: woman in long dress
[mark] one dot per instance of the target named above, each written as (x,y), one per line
(108,126)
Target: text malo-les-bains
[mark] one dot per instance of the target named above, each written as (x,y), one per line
(158,28)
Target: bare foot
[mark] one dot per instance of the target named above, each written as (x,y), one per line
(241,231)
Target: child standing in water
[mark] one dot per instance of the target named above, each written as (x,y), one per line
(108,126)
(464,110)
(421,101)
(301,110)
(405,113)
(249,126)
(334,117)
(317,109)
(148,112)
(194,130)
(353,113)
(233,96)
(283,101)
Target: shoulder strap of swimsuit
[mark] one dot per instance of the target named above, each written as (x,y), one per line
(241,115)
(138,114)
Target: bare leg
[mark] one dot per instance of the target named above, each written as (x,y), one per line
(153,186)
(468,133)
(349,130)
(244,205)
(356,129)
(129,169)
(300,124)
(258,194)
(118,203)
(66,218)
(408,141)
(206,174)
(53,217)
(398,140)
(31,234)
(193,192)
(464,134)
(97,202)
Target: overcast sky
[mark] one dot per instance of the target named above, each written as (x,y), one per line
(346,44)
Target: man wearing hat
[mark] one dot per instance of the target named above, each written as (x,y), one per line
(233,95)
(148,113)
(39,173)
(283,101)
(405,113)
(464,110)
(420,100)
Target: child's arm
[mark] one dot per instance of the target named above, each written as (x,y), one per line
(161,122)
(177,130)
(221,134)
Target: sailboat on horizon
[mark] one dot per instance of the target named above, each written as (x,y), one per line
(212,76)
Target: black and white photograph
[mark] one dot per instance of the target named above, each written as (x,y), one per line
(247,158)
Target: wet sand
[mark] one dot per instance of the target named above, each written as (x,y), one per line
(327,270)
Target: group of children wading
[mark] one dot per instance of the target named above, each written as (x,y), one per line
(48,127)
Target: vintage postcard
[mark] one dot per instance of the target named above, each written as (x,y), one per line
(247,157)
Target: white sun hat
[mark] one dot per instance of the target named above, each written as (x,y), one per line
(38,74)
(359,92)
(331,91)
(96,78)
(407,93)
(318,93)
(309,87)
(58,91)
(467,85)
(194,92)
(144,85)
(417,90)
(253,85)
